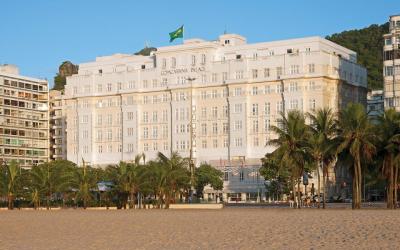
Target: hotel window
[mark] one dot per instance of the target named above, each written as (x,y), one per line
(183,145)
(215,128)
(109,119)
(311,85)
(238,91)
(238,57)
(130,131)
(145,146)
(215,143)
(164,81)
(164,131)
(241,175)
(267,89)
(255,126)
(255,91)
(109,134)
(255,142)
(266,72)
(85,134)
(204,129)
(120,148)
(312,104)
(99,119)
(164,98)
(267,108)
(224,76)
(145,84)
(177,114)
(255,73)
(85,119)
(225,128)
(311,68)
(214,77)
(75,90)
(155,132)
(109,87)
(238,142)
(155,146)
(215,112)
(279,88)
(155,83)
(100,149)
(204,112)
(182,114)
(267,125)
(225,92)
(204,143)
(239,74)
(203,78)
(145,117)
(165,145)
(294,104)
(99,88)
(226,143)
(388,41)
(145,99)
(145,133)
(164,63)
(214,94)
(254,110)
(109,148)
(203,59)
(278,71)
(182,128)
(155,116)
(155,99)
(130,116)
(165,115)
(388,70)
(294,69)
(131,84)
(193,60)
(279,107)
(238,125)
(238,108)
(293,87)
(225,111)
(203,95)
(173,62)
(119,85)
(130,147)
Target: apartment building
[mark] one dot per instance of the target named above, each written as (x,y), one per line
(58,126)
(391,64)
(218,98)
(24,118)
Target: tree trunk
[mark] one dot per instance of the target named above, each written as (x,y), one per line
(298,193)
(396,176)
(294,193)
(324,183)
(319,185)
(390,186)
(10,199)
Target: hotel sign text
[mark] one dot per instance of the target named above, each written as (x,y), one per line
(181,71)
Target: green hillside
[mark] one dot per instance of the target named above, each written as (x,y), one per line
(368,43)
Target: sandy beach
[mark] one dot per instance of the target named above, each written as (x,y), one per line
(229,228)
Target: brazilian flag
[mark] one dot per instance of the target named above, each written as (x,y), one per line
(176,34)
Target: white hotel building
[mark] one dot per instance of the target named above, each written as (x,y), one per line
(123,105)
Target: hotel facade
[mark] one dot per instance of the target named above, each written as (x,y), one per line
(218,98)
(24,118)
(391,64)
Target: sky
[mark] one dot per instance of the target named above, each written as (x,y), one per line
(39,35)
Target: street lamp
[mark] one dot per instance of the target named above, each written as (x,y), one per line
(191,162)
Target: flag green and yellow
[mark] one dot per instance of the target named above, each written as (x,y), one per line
(176,34)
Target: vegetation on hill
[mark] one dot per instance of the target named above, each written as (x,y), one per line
(66,69)
(368,44)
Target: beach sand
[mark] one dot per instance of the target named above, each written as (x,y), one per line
(229,228)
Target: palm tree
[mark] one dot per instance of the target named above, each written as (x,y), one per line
(49,178)
(10,176)
(291,143)
(83,180)
(322,144)
(388,130)
(173,175)
(356,142)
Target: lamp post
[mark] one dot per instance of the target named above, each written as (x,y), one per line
(191,162)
